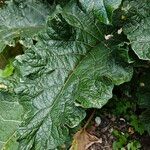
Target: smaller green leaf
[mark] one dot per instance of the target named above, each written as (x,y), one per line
(8,71)
(134,145)
(22,21)
(102,9)
(136,123)
(121,140)
(10,118)
(137,28)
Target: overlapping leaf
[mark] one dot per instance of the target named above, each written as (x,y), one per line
(138,26)
(70,66)
(22,21)
(102,9)
(10,118)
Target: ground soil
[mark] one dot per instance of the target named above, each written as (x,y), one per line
(104,132)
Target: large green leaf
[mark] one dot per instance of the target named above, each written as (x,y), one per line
(70,67)
(22,20)
(10,118)
(138,26)
(102,9)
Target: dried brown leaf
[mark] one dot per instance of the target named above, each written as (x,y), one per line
(83,140)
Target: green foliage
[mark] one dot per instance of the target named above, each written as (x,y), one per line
(133,145)
(126,108)
(123,142)
(70,57)
(122,107)
(137,124)
(75,47)
(143,94)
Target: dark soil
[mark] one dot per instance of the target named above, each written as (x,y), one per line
(104,132)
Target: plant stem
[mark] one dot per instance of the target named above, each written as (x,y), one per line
(88,121)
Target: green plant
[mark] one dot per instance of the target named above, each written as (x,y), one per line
(67,57)
(143,94)
(122,107)
(137,124)
(134,145)
(122,139)
(123,142)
